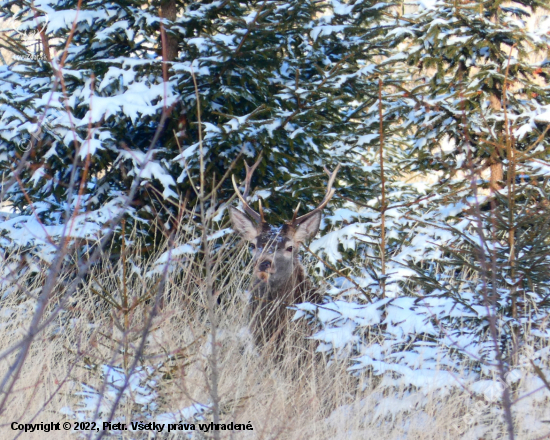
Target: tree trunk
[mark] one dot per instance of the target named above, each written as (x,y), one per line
(169,11)
(495,162)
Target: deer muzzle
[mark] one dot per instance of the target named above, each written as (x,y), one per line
(264,266)
(264,269)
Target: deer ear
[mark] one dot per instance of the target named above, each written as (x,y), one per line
(242,225)
(308,228)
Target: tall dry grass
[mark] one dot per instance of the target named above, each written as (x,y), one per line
(282,399)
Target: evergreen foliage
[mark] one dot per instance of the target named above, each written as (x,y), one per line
(475,76)
(461,300)
(276,78)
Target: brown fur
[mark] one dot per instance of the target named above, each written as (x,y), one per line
(279,280)
(268,306)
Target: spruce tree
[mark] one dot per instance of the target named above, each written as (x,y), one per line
(474,72)
(476,106)
(467,99)
(278,78)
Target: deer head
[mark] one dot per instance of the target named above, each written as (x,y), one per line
(275,249)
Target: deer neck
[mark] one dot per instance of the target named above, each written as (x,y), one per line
(294,291)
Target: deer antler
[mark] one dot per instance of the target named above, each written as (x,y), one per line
(258,218)
(295,213)
(328,195)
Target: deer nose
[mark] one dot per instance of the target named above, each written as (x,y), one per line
(264,265)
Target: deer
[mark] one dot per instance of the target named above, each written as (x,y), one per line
(279,280)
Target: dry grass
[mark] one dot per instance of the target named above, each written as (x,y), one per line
(291,399)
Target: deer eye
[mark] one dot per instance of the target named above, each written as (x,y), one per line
(289,249)
(252,246)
